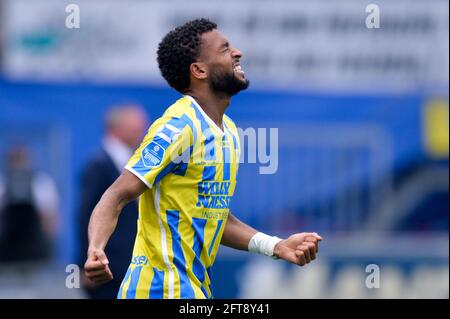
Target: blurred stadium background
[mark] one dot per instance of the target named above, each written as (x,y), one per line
(363,119)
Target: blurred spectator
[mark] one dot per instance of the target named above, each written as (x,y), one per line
(125,128)
(28,206)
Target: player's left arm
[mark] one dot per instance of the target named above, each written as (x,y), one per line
(300,248)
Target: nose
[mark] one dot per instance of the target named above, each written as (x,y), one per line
(236,53)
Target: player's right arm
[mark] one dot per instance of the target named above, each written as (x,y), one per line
(164,147)
(104,220)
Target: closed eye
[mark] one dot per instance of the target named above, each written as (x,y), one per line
(225,47)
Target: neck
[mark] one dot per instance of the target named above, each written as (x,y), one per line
(212,103)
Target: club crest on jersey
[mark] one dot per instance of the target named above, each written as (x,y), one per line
(152,154)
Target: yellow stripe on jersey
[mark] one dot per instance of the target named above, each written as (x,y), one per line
(190,167)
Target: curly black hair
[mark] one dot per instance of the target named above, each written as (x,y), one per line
(179,49)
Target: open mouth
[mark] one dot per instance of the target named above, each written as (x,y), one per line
(238,69)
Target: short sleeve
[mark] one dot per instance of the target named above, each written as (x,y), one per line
(167,145)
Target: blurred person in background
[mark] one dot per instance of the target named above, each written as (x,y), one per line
(125,127)
(28,211)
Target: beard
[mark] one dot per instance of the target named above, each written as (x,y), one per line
(227,83)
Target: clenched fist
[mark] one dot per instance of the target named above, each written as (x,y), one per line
(96,267)
(299,248)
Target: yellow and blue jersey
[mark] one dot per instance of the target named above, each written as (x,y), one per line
(190,166)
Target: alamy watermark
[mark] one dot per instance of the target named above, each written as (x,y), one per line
(257,146)
(73,19)
(260,146)
(73,277)
(373,278)
(373,19)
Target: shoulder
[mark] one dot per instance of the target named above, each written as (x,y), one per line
(180,109)
(178,118)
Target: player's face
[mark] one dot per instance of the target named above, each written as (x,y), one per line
(225,73)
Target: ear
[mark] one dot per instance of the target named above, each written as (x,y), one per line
(199,70)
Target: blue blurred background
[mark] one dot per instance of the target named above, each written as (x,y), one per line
(362,119)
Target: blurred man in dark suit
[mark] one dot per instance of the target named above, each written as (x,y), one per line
(125,127)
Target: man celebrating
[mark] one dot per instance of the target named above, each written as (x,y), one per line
(185,171)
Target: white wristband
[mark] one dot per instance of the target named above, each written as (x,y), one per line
(263,244)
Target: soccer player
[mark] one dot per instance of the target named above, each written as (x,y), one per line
(185,174)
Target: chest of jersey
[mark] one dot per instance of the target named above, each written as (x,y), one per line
(208,179)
